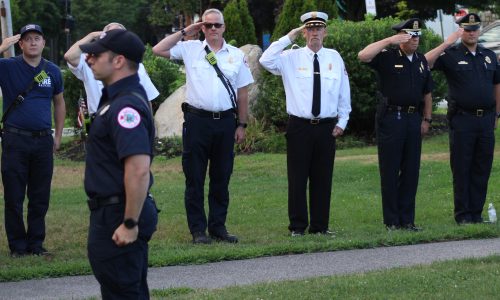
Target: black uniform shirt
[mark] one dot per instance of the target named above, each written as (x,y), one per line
(471,78)
(402,81)
(122,127)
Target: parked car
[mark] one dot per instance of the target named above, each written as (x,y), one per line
(490,37)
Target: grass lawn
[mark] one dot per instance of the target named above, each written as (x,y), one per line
(257,213)
(457,279)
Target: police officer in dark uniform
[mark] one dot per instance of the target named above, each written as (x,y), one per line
(473,77)
(405,86)
(117,175)
(30,85)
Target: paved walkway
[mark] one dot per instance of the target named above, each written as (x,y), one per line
(276,268)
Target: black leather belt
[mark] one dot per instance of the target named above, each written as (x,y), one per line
(314,121)
(479,112)
(405,109)
(32,133)
(95,203)
(216,115)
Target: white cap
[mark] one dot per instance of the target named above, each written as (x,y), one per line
(314,19)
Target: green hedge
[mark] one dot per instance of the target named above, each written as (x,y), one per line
(348,38)
(164,73)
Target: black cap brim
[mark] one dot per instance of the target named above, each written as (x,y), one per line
(32,30)
(471,27)
(93,48)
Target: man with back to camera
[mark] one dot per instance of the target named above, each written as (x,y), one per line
(30,84)
(405,86)
(123,216)
(93,87)
(318,100)
(213,106)
(473,77)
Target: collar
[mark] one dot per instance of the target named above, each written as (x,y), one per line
(465,50)
(403,54)
(223,48)
(121,85)
(311,53)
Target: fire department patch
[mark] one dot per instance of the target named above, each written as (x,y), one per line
(129,118)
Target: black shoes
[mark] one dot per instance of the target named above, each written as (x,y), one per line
(407,227)
(40,251)
(296,233)
(326,232)
(17,254)
(201,238)
(224,237)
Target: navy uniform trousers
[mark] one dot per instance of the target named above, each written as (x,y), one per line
(27,166)
(207,139)
(472,142)
(310,156)
(399,147)
(120,271)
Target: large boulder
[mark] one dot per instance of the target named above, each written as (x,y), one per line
(169,116)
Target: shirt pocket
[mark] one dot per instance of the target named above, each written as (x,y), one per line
(463,67)
(329,78)
(201,70)
(230,71)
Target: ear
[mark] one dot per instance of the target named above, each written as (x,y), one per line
(119,61)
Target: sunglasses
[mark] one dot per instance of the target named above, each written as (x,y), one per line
(414,33)
(210,25)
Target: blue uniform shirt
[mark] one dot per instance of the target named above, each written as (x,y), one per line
(123,126)
(35,112)
(471,78)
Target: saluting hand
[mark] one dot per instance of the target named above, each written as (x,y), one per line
(292,35)
(399,38)
(9,41)
(193,28)
(124,236)
(452,38)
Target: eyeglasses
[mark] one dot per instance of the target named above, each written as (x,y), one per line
(211,25)
(94,55)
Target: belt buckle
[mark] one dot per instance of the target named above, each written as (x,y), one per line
(216,115)
(479,112)
(411,109)
(315,121)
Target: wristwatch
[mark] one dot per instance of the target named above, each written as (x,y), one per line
(243,125)
(130,223)
(428,120)
(183,32)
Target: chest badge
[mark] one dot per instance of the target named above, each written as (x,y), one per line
(487,59)
(104,110)
(129,118)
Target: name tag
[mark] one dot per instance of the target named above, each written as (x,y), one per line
(398,66)
(463,62)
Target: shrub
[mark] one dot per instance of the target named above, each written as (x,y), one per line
(239,23)
(348,38)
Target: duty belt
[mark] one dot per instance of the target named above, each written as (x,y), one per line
(314,121)
(95,203)
(479,112)
(32,133)
(404,109)
(216,115)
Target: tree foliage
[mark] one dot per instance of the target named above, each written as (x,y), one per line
(239,23)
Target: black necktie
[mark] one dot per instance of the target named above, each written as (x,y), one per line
(316,107)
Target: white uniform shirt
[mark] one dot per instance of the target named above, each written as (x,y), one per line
(93,87)
(204,89)
(296,69)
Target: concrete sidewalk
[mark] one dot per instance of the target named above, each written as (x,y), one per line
(276,268)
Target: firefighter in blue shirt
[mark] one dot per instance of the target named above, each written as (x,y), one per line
(30,84)
(117,174)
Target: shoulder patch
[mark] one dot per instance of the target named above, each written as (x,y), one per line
(129,118)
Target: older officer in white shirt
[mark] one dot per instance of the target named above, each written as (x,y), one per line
(318,100)
(210,128)
(93,88)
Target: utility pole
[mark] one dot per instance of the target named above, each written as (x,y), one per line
(6,22)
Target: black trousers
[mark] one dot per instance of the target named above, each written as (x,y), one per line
(120,271)
(27,166)
(399,147)
(310,157)
(207,140)
(472,143)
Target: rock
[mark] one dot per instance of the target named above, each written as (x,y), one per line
(169,116)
